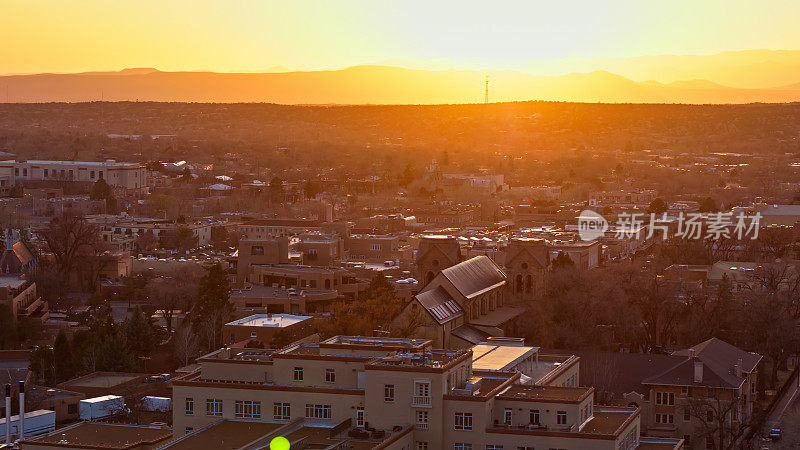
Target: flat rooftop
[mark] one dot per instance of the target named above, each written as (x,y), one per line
(377,342)
(259,291)
(225,434)
(102,379)
(47,393)
(545,365)
(297,268)
(607,421)
(105,435)
(269,320)
(487,356)
(241,354)
(545,393)
(77,163)
(316,350)
(434,359)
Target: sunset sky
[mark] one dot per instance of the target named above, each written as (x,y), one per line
(83,35)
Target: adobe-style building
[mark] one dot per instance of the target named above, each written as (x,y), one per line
(251,251)
(299,277)
(64,403)
(265,328)
(255,298)
(399,392)
(319,249)
(461,306)
(265,228)
(372,247)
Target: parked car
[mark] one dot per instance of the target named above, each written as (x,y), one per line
(775,434)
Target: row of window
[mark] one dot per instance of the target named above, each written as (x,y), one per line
(665,398)
(687,416)
(55,173)
(463,421)
(250,409)
(298,375)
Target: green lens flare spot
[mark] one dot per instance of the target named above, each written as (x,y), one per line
(279,443)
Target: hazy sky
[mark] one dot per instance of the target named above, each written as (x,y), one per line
(223,35)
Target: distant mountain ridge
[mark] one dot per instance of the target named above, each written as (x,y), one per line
(374,85)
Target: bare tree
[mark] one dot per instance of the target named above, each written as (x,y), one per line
(718,417)
(604,375)
(68,236)
(406,324)
(185,345)
(169,295)
(210,330)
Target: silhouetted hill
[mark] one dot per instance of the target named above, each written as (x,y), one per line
(370,85)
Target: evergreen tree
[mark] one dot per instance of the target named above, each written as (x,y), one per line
(213,308)
(102,191)
(42,364)
(62,354)
(6,325)
(140,333)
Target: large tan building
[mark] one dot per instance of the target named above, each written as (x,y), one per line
(300,277)
(401,392)
(264,250)
(127,178)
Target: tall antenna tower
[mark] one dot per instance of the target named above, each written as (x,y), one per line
(486,96)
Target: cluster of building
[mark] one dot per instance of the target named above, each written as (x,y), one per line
(465,272)
(404,393)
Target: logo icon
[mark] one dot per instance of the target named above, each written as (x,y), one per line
(591,225)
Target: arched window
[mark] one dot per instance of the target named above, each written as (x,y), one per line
(519,284)
(528,283)
(428,277)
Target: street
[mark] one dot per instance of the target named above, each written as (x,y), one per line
(785,415)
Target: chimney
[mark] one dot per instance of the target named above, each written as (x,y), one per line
(737,369)
(698,371)
(8,415)
(21,410)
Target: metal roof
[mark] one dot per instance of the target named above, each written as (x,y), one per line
(475,276)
